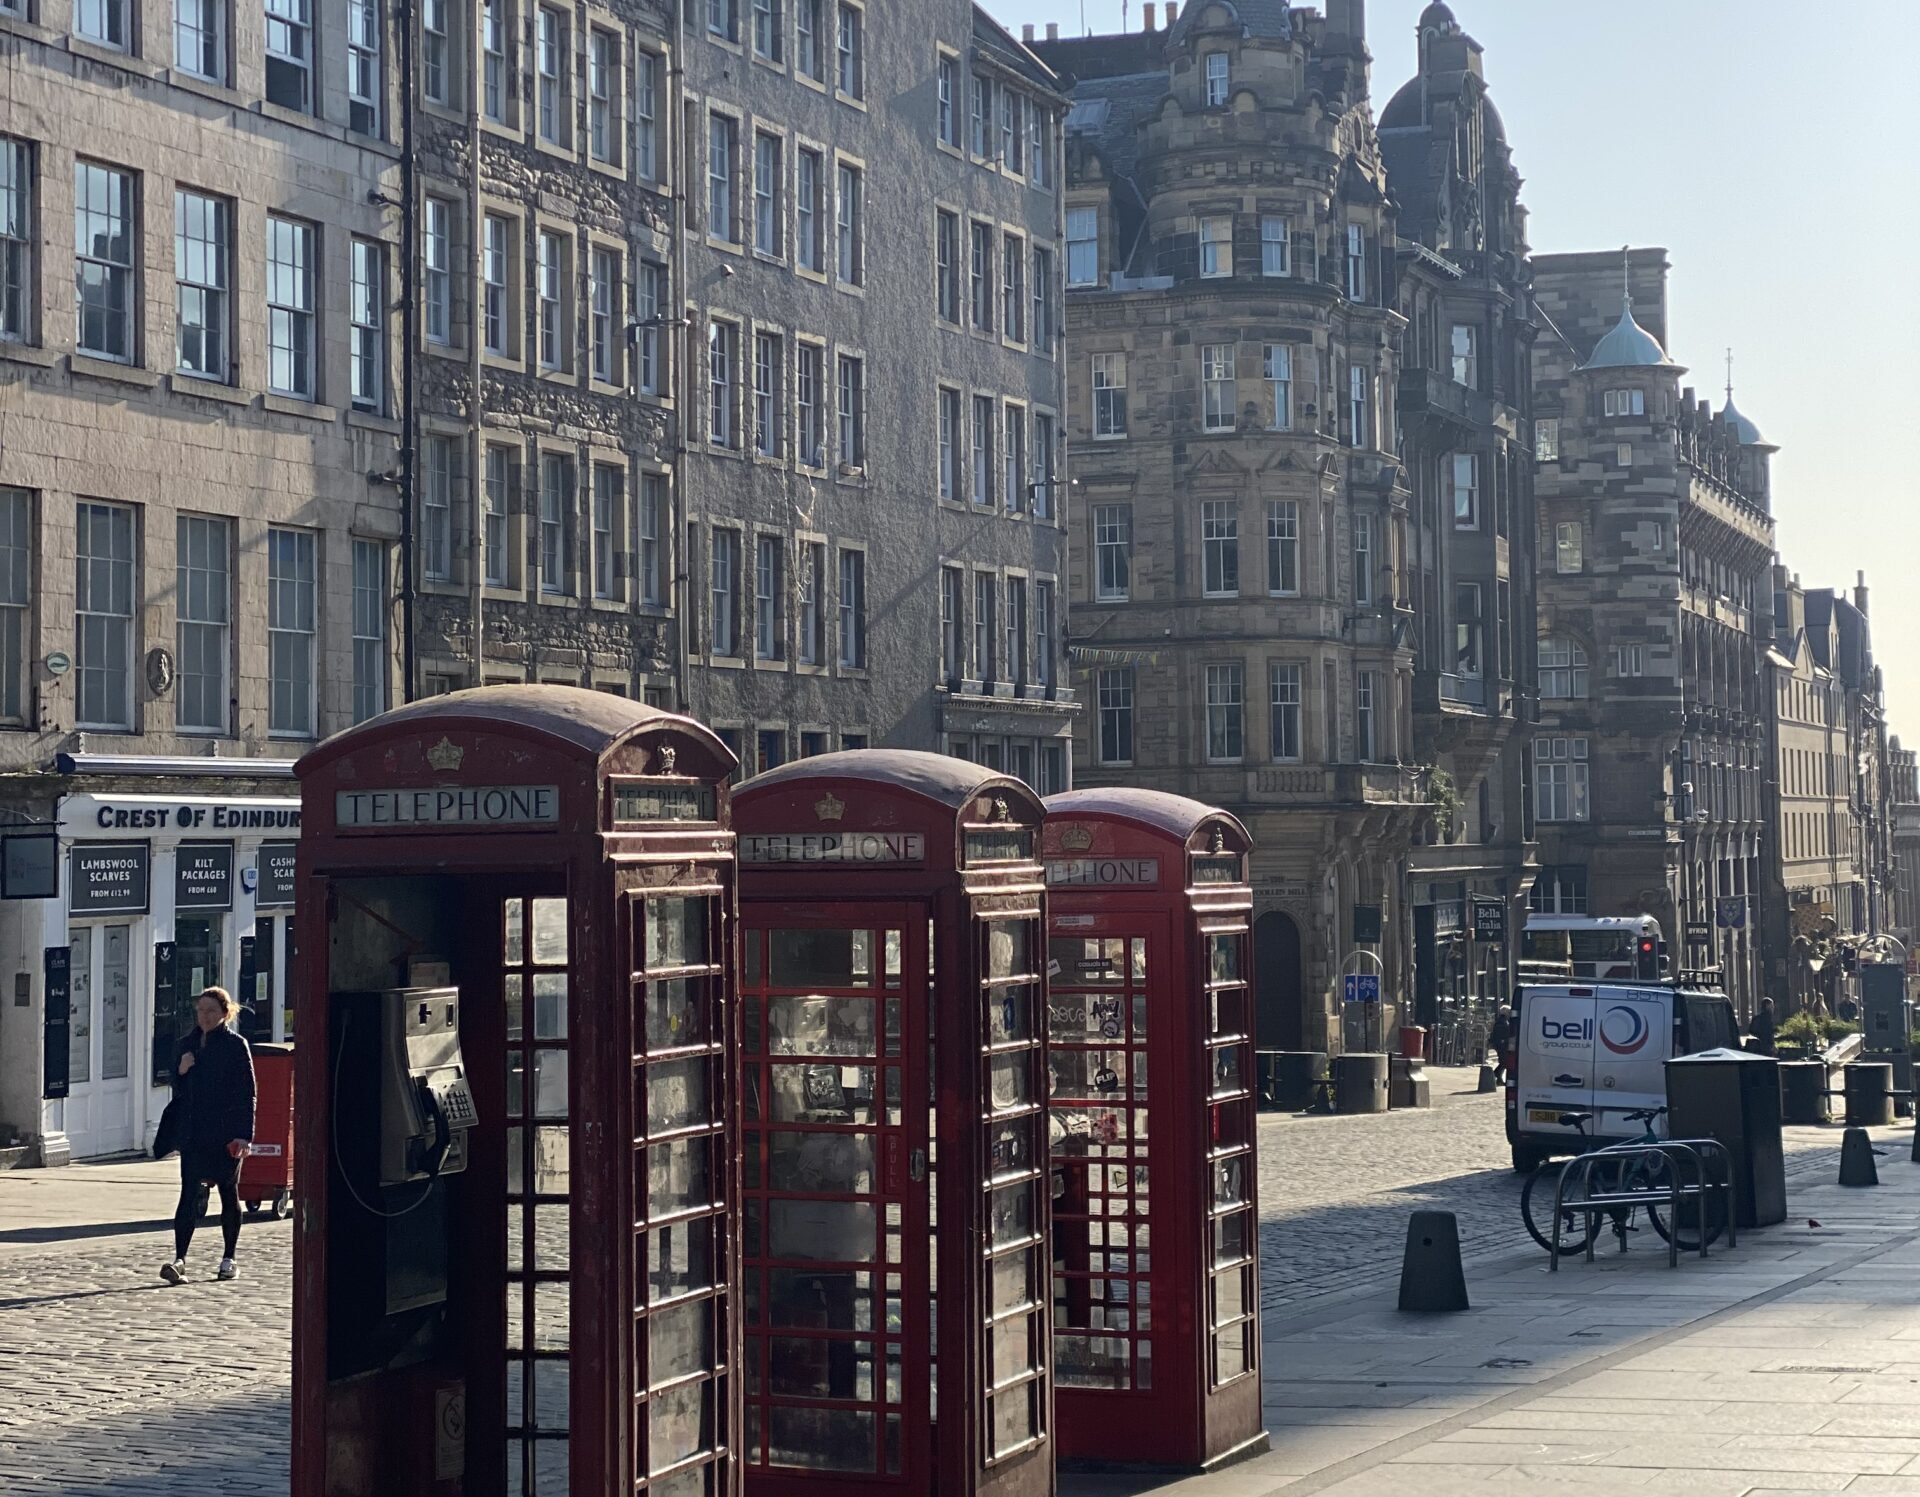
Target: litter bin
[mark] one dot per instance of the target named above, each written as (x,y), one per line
(1869,1090)
(1413,1042)
(266,1175)
(1803,1092)
(1289,1078)
(1360,1083)
(1734,1097)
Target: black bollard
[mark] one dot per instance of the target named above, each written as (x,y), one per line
(1431,1278)
(1856,1159)
(1487,1081)
(1916,1143)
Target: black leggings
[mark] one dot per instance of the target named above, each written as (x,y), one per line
(193,1206)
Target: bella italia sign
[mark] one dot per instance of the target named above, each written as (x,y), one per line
(448,806)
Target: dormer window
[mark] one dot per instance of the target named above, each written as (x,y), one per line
(1217,79)
(1624,403)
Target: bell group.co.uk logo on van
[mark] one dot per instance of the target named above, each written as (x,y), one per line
(1624,1030)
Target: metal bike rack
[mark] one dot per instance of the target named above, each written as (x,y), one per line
(1691,1153)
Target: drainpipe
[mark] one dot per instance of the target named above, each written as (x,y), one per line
(409,336)
(476,403)
(677,499)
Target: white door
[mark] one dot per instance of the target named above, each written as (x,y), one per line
(102,1070)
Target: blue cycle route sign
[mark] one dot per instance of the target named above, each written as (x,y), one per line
(1362,987)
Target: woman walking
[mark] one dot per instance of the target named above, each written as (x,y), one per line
(213,1079)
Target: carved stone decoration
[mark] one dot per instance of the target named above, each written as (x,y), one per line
(160,672)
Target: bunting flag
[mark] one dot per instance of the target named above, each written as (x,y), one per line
(1088,655)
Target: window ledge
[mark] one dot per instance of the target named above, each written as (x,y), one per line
(113,57)
(609,605)
(206,88)
(208,389)
(309,410)
(613,169)
(27,353)
(777,666)
(556,600)
(368,421)
(450,351)
(726,663)
(560,377)
(506,363)
(557,152)
(494,592)
(120,374)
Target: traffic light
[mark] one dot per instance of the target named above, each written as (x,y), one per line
(1647,958)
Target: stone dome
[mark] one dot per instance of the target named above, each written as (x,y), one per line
(1438,17)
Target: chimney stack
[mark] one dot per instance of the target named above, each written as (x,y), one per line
(1026,32)
(1173,10)
(1860,594)
(1148,9)
(1053,31)
(1347,18)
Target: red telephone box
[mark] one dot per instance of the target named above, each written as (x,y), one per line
(1155,1229)
(516,1249)
(894,1199)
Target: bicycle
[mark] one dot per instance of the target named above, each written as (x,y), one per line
(1577,1228)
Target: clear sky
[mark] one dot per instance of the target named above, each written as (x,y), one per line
(1770,146)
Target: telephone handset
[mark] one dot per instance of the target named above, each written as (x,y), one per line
(426,1106)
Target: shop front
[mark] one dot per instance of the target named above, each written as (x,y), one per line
(158,896)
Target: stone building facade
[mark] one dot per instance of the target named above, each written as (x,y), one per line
(1903,796)
(1466,442)
(1822,887)
(875,548)
(542,348)
(1244,550)
(1656,537)
(198,416)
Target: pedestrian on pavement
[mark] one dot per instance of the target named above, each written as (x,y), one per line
(1761,1031)
(1498,1038)
(213,1077)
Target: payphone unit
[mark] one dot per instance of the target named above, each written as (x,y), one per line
(426,1106)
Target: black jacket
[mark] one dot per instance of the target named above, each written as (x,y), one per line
(218,1091)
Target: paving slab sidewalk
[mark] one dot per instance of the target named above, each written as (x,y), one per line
(1785,1366)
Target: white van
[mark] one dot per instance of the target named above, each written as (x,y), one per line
(1600,1048)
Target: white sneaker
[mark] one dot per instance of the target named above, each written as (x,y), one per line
(174,1272)
(227,1270)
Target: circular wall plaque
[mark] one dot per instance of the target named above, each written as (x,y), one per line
(160,671)
(59,663)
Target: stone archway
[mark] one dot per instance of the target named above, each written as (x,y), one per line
(1280,1016)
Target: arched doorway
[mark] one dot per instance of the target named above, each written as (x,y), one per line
(1280,1020)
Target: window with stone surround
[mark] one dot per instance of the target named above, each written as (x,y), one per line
(1109,396)
(1216,246)
(1113,691)
(1220,548)
(1226,713)
(1560,780)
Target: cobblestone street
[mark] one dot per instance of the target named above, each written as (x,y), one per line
(113,1384)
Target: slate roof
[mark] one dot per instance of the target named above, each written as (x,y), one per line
(1110,111)
(1268,18)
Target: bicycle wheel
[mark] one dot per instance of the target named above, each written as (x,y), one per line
(1574,1229)
(1685,1233)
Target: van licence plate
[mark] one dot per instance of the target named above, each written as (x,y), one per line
(1543,1114)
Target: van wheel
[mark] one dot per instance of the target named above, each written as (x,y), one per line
(1527,1158)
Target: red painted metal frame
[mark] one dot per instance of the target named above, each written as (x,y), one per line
(371,1436)
(946,802)
(1128,864)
